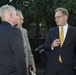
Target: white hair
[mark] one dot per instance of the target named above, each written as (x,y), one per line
(19,11)
(6,8)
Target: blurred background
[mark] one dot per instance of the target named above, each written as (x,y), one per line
(38,19)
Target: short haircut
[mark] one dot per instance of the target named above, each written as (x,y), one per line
(18,12)
(6,8)
(63,10)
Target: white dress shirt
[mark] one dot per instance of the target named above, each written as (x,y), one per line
(65,30)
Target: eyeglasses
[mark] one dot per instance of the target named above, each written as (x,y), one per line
(58,16)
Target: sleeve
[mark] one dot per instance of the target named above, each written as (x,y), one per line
(16,42)
(30,55)
(48,42)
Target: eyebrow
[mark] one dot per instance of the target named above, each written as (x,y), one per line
(59,16)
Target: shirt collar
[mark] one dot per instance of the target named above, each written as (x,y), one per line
(11,23)
(66,26)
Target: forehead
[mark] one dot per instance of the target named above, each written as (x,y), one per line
(19,15)
(58,13)
(9,11)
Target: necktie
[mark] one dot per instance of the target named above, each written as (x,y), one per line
(61,37)
(61,42)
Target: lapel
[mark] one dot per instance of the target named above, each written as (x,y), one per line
(55,33)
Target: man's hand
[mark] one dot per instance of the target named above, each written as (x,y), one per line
(33,68)
(25,44)
(55,43)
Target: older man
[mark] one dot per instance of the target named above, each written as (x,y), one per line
(29,56)
(12,57)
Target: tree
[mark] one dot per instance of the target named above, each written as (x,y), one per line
(42,11)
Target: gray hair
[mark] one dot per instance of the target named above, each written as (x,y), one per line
(18,12)
(6,8)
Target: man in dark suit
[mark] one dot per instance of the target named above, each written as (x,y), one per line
(12,57)
(60,46)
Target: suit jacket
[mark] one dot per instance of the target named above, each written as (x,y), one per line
(29,56)
(66,51)
(12,58)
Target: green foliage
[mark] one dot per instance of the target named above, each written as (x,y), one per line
(42,11)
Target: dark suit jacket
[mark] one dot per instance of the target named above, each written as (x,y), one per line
(66,51)
(12,60)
